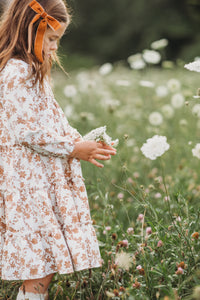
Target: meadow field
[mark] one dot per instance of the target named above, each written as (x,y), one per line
(145,212)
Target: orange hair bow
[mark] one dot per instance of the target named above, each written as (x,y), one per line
(46,20)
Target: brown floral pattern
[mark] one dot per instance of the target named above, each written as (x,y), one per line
(45,223)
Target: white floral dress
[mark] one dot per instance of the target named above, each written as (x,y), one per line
(45,222)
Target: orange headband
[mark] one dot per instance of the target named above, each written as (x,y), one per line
(46,19)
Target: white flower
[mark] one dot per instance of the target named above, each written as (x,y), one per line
(160,44)
(136,62)
(177,100)
(147,83)
(155,147)
(70,91)
(161,91)
(196,151)
(110,294)
(183,122)
(122,82)
(193,66)
(105,69)
(151,56)
(123,260)
(196,110)
(100,135)
(69,111)
(174,85)
(155,118)
(167,111)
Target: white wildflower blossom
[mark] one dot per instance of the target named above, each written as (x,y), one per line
(196,110)
(173,85)
(167,111)
(136,62)
(100,135)
(155,118)
(138,65)
(123,82)
(124,260)
(177,100)
(70,91)
(110,294)
(147,83)
(160,44)
(155,147)
(196,151)
(69,111)
(151,56)
(183,122)
(106,69)
(193,66)
(162,91)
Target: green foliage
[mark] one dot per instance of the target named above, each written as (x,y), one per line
(112,30)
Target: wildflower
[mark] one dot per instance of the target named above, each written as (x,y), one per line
(160,243)
(116,292)
(174,85)
(70,91)
(196,110)
(179,271)
(155,118)
(183,122)
(160,44)
(140,217)
(108,228)
(155,147)
(193,66)
(100,135)
(147,83)
(122,289)
(178,219)
(161,91)
(167,111)
(157,195)
(110,294)
(195,235)
(136,285)
(181,265)
(177,100)
(136,62)
(196,151)
(148,230)
(120,196)
(141,271)
(121,82)
(105,69)
(130,230)
(125,243)
(114,236)
(167,198)
(123,260)
(139,267)
(151,56)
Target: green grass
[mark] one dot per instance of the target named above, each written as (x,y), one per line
(130,184)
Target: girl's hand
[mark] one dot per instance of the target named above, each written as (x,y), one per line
(91,150)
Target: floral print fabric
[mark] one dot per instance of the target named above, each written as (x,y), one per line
(45,223)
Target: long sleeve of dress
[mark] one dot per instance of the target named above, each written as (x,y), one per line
(32,117)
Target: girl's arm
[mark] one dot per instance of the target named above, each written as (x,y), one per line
(29,120)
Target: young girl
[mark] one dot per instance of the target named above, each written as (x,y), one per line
(44,213)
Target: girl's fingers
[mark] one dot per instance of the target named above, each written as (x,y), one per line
(106,152)
(96,163)
(102,157)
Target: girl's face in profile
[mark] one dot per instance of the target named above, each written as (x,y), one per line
(51,39)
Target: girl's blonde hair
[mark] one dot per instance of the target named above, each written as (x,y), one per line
(14,34)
